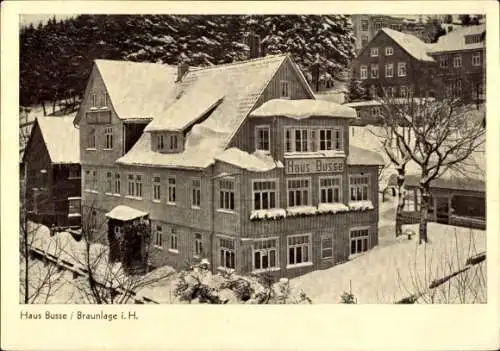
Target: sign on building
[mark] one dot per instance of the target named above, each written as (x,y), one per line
(306,166)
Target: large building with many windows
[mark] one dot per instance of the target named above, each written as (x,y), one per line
(235,163)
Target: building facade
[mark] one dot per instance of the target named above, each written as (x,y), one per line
(273,192)
(52,184)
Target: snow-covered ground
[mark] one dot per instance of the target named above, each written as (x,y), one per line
(398,267)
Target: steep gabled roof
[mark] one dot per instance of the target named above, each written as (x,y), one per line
(410,43)
(304,108)
(241,84)
(61,138)
(455,40)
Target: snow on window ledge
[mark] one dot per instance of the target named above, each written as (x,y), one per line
(332,207)
(301,210)
(315,154)
(273,213)
(223,210)
(158,247)
(226,270)
(264,270)
(70,215)
(360,205)
(299,265)
(173,251)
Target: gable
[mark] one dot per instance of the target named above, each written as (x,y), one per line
(36,150)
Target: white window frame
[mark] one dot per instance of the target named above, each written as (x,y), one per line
(72,213)
(308,245)
(304,144)
(226,203)
(173,245)
(136,182)
(443,61)
(171,190)
(173,142)
(93,99)
(376,111)
(332,187)
(476,59)
(92,139)
(225,251)
(402,69)
(109,183)
(158,236)
(389,70)
(268,191)
(374,69)
(457,61)
(359,238)
(117,184)
(362,186)
(288,189)
(108,143)
(76,174)
(363,72)
(90,181)
(337,139)
(324,248)
(258,129)
(198,245)
(265,252)
(160,142)
(196,193)
(374,52)
(285,89)
(104,100)
(403,91)
(389,51)
(156,188)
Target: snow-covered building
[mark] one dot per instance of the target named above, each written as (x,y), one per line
(237,163)
(51,160)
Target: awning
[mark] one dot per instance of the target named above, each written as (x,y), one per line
(125,213)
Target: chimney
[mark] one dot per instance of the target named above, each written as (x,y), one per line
(182,69)
(253,41)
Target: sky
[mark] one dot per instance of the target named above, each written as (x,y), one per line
(26,19)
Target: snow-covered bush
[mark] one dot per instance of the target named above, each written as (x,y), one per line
(348,298)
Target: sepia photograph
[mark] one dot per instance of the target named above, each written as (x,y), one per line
(251,159)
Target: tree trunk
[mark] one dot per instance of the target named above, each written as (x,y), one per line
(54,106)
(401,201)
(26,258)
(424,213)
(44,110)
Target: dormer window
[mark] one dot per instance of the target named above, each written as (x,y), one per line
(168,141)
(473,39)
(160,142)
(173,142)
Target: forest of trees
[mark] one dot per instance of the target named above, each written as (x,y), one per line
(56,57)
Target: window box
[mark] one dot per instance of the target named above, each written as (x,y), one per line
(332,208)
(360,205)
(274,213)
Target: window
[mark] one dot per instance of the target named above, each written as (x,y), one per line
(359,240)
(364,25)
(374,71)
(299,249)
(376,111)
(226,253)
(108,132)
(476,59)
(298,192)
(118,230)
(173,142)
(456,88)
(358,187)
(160,142)
(288,140)
(389,70)
(443,61)
(156,188)
(389,51)
(301,140)
(198,245)
(117,184)
(109,182)
(326,247)
(264,194)
(364,40)
(284,89)
(74,206)
(91,141)
(457,61)
(158,236)
(93,99)
(390,91)
(90,181)
(74,172)
(363,72)
(135,185)
(402,69)
(226,194)
(373,52)
(196,192)
(262,138)
(473,39)
(171,190)
(330,139)
(173,241)
(104,99)
(265,253)
(330,190)
(403,91)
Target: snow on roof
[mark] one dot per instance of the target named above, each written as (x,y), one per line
(413,45)
(61,138)
(189,108)
(256,162)
(363,157)
(137,89)
(455,40)
(403,100)
(363,103)
(241,83)
(125,213)
(301,109)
